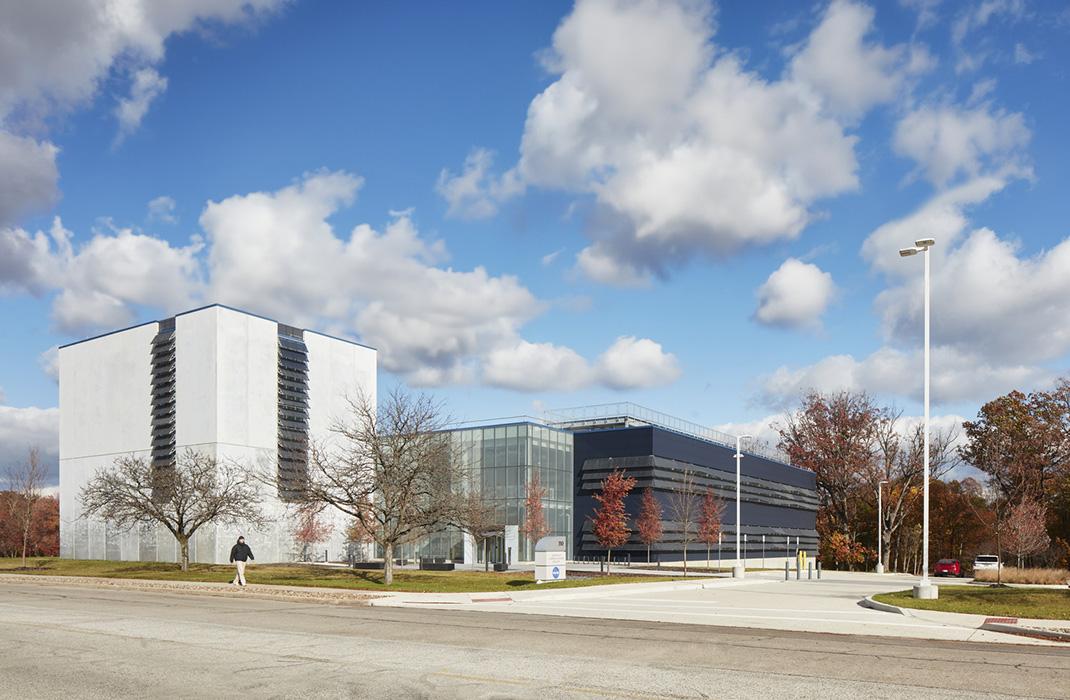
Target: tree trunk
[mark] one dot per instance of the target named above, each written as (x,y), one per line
(183,543)
(707,555)
(609,560)
(486,559)
(999,560)
(886,542)
(388,564)
(648,554)
(25,544)
(685,559)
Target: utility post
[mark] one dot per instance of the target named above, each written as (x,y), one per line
(880,529)
(925,590)
(738,570)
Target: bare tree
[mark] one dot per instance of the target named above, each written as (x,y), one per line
(195,491)
(899,461)
(389,468)
(685,507)
(479,519)
(26,481)
(1026,531)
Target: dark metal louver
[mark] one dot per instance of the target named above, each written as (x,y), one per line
(163,396)
(293,412)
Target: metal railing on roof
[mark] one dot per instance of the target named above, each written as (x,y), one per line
(494,422)
(628,413)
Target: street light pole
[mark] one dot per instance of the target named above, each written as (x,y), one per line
(738,570)
(880,529)
(925,589)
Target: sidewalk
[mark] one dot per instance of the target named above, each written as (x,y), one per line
(767,601)
(550,594)
(365,597)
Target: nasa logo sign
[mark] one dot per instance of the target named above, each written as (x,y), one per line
(555,572)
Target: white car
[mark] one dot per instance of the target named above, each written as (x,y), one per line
(986,561)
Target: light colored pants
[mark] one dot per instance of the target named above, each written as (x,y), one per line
(240,576)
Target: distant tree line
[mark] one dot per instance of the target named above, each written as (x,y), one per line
(29,520)
(1020,508)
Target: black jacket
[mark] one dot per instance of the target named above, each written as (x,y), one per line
(241,552)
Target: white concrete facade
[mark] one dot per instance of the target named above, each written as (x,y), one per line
(226,405)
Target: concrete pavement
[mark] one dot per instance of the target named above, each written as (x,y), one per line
(766,601)
(71,642)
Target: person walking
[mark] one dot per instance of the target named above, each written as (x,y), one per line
(239,554)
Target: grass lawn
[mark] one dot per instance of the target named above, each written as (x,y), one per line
(1043,603)
(307,575)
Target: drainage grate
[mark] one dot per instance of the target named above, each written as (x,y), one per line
(1002,620)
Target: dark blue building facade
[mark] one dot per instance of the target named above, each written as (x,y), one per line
(778,501)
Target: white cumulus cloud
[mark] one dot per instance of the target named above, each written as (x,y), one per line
(998,314)
(28,176)
(276,253)
(145,86)
(473,193)
(54,57)
(536,367)
(24,428)
(956,376)
(948,141)
(682,148)
(637,363)
(851,73)
(162,209)
(795,295)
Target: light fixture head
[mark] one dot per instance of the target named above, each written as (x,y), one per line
(907,252)
(746,437)
(925,242)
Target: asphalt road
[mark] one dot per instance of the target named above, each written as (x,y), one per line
(69,642)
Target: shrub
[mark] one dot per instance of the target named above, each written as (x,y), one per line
(1014,575)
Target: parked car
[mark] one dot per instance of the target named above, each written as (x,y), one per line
(948,567)
(986,561)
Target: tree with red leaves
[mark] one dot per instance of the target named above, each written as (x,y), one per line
(709,521)
(842,549)
(45,530)
(309,530)
(610,519)
(649,521)
(834,436)
(535,526)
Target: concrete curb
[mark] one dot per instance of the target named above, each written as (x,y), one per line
(619,589)
(308,594)
(1003,628)
(1033,632)
(868,602)
(398,600)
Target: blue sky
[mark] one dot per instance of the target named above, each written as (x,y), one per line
(691,206)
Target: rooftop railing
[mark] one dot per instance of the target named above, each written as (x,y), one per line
(628,413)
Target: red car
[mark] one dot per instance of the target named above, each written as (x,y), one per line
(948,567)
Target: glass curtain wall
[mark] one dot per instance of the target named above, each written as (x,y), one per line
(503,460)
